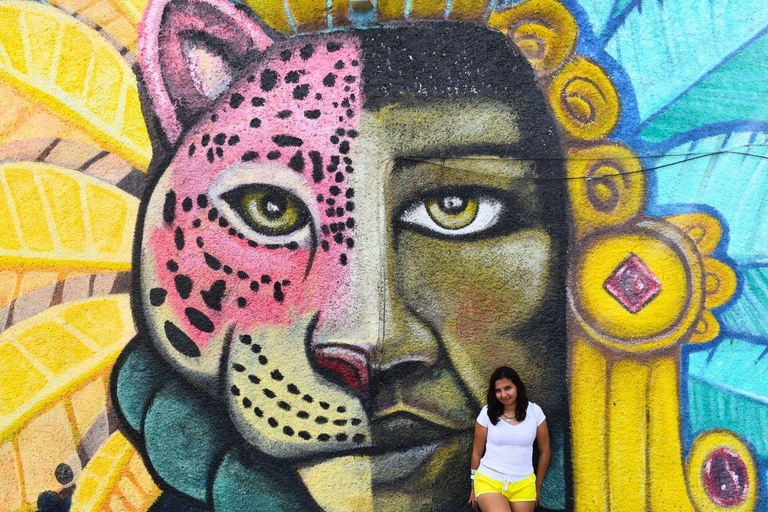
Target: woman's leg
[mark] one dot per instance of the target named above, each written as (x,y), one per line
(493,502)
(522,506)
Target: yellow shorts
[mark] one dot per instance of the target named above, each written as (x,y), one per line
(522,490)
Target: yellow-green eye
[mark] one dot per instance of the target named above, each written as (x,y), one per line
(452,211)
(268,210)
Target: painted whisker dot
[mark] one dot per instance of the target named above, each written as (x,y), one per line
(323,437)
(324,405)
(268,393)
(235,390)
(263,359)
(287,430)
(293,389)
(305,435)
(341,437)
(358,438)
(341,408)
(246,403)
(275,374)
(356,421)
(303,415)
(272,422)
(254,379)
(258,412)
(256,348)
(307,398)
(321,420)
(284,405)
(245,338)
(340,423)
(238,367)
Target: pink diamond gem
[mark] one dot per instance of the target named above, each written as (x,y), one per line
(632,284)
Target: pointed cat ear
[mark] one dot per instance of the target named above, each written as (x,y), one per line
(189,53)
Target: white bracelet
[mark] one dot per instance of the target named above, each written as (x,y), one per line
(472,474)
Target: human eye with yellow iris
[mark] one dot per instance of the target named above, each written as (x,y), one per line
(272,214)
(457,213)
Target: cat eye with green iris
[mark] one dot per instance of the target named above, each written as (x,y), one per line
(268,210)
(453,211)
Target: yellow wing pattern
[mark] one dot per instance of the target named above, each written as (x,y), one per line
(89,93)
(53,388)
(115,480)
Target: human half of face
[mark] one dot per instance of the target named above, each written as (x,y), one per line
(344,279)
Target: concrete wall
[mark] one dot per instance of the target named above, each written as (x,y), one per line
(266,256)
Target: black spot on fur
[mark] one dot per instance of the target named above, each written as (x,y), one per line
(255,122)
(273,155)
(199,320)
(211,261)
(236,100)
(220,138)
(321,420)
(307,51)
(287,140)
(284,405)
(202,201)
(183,285)
(180,341)
(341,437)
(257,102)
(301,91)
(157,296)
(249,155)
(284,114)
(213,296)
(344,147)
(258,412)
(191,150)
(287,430)
(234,139)
(212,214)
(172,265)
(297,162)
(268,393)
(305,435)
(292,389)
(323,437)
(333,46)
(292,77)
(302,414)
(268,79)
(272,422)
(285,55)
(235,390)
(312,114)
(209,155)
(317,166)
(276,375)
(169,207)
(205,140)
(178,238)
(254,286)
(265,279)
(329,80)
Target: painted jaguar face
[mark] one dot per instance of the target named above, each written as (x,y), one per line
(343,245)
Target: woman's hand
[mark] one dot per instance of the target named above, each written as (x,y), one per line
(538,493)
(472,499)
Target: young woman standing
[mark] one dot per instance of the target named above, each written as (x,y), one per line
(503,479)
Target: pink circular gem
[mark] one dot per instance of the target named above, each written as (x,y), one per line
(725,477)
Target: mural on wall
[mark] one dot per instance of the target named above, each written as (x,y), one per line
(264,256)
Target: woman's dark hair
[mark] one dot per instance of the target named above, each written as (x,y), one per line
(495,408)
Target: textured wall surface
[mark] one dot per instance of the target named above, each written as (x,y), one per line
(263,256)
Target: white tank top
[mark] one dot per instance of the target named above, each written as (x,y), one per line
(509,448)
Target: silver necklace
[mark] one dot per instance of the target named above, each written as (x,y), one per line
(507,418)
